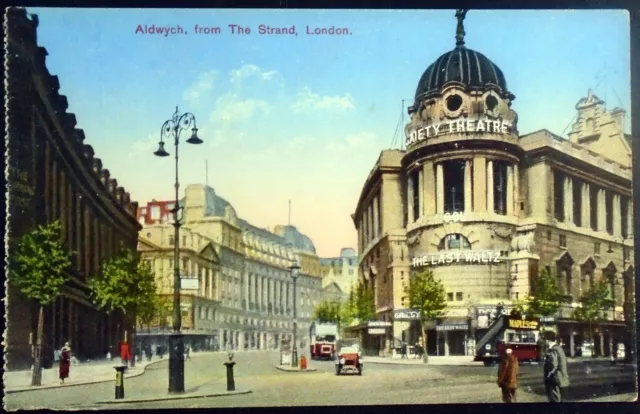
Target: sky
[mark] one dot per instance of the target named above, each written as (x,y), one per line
(304,117)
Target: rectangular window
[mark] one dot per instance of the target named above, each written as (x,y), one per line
(450,296)
(459,296)
(625,253)
(563,240)
(500,187)
(155,212)
(624,215)
(558,195)
(596,248)
(593,206)
(548,235)
(415,182)
(453,171)
(608,205)
(577,202)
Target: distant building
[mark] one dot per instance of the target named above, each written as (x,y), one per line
(252,288)
(54,175)
(486,208)
(339,274)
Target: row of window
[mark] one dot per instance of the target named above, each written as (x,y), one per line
(574,213)
(371,222)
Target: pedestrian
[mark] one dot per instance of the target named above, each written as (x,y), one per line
(418,349)
(187,350)
(65,362)
(508,376)
(403,350)
(555,368)
(542,348)
(56,355)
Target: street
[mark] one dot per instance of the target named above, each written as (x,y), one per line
(380,384)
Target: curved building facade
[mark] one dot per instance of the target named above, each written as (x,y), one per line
(486,209)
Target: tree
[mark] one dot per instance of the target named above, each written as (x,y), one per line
(364,303)
(39,268)
(593,304)
(427,296)
(126,284)
(544,298)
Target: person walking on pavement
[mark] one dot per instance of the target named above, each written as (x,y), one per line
(403,350)
(187,350)
(508,376)
(65,362)
(555,369)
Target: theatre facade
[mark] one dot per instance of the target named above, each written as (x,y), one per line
(487,208)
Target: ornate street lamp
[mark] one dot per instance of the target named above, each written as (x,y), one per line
(172,128)
(295,270)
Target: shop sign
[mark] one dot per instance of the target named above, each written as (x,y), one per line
(383,324)
(189,283)
(467,257)
(406,315)
(452,327)
(466,125)
(547,319)
(376,331)
(530,324)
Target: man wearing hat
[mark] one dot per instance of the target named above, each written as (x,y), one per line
(555,368)
(508,376)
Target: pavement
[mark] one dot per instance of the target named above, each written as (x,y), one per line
(209,392)
(289,368)
(93,372)
(460,360)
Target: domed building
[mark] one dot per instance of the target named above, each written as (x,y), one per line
(486,209)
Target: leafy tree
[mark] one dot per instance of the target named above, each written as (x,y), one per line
(327,311)
(39,268)
(126,284)
(427,296)
(593,304)
(364,303)
(544,298)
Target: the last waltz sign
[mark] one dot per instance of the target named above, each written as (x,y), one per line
(468,257)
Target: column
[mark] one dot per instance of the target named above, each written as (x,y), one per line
(617,222)
(509,190)
(601,343)
(586,206)
(516,190)
(376,216)
(490,207)
(429,190)
(479,184)
(439,189)
(410,215)
(277,301)
(365,227)
(420,193)
(630,220)
(568,199)
(467,187)
(602,213)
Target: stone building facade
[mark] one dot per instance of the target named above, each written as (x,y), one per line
(54,175)
(252,300)
(339,274)
(487,208)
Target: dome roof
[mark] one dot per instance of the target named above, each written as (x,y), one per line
(461,65)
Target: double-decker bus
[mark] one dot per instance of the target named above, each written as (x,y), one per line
(518,333)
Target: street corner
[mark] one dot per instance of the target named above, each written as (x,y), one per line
(293,369)
(171,397)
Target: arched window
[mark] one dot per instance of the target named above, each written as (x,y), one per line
(455,241)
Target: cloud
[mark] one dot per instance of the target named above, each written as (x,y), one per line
(201,87)
(230,109)
(237,76)
(308,100)
(352,142)
(145,146)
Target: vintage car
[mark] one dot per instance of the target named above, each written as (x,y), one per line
(348,359)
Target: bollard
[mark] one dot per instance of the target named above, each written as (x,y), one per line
(231,385)
(120,382)
(303,362)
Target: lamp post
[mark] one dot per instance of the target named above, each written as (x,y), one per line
(295,270)
(172,128)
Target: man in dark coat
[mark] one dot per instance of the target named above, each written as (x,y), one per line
(555,369)
(508,376)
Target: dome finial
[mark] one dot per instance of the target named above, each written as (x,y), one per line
(460,13)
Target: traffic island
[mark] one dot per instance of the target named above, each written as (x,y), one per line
(287,368)
(168,397)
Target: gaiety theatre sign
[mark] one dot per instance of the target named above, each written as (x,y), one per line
(470,257)
(465,125)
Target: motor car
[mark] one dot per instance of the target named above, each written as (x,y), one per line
(348,360)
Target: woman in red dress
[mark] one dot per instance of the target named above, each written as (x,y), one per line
(65,362)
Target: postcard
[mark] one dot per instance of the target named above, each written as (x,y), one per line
(267,208)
